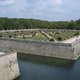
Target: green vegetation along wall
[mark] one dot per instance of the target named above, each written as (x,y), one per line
(20,23)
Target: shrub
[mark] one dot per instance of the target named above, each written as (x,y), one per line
(59,38)
(51,39)
(0,35)
(10,36)
(77,33)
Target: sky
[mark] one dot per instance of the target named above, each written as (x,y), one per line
(49,10)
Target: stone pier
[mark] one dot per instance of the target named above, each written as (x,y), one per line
(9,68)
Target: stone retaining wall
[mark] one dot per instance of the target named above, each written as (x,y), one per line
(43,48)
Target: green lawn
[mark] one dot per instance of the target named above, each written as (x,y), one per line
(35,38)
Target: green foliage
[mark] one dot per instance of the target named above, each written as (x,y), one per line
(77,33)
(51,39)
(42,34)
(23,37)
(34,34)
(0,35)
(71,25)
(10,36)
(36,38)
(59,38)
(20,23)
(1,27)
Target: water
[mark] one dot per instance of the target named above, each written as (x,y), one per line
(44,68)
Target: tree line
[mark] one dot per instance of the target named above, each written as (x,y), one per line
(21,23)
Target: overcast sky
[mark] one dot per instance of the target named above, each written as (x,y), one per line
(50,10)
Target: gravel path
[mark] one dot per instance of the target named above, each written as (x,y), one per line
(1,53)
(71,40)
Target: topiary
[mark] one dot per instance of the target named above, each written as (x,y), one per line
(51,39)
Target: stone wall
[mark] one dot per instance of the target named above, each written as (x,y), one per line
(43,48)
(9,69)
(76,47)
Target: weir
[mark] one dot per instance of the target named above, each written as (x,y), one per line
(43,48)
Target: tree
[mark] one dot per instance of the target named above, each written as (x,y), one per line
(1,27)
(71,25)
(20,23)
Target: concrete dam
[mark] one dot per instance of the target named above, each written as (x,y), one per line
(43,48)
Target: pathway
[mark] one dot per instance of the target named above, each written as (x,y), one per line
(71,40)
(47,35)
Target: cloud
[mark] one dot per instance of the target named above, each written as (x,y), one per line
(6,2)
(58,2)
(19,5)
(40,9)
(49,6)
(12,6)
(55,2)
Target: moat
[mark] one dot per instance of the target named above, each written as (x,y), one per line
(44,68)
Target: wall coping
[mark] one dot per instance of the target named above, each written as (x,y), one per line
(6,52)
(75,42)
(38,42)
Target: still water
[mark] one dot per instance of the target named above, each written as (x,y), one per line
(45,68)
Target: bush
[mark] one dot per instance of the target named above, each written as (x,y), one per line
(51,39)
(77,33)
(0,35)
(59,38)
(10,36)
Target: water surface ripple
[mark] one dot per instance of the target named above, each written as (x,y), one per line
(45,68)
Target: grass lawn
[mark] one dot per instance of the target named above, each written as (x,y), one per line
(58,35)
(35,38)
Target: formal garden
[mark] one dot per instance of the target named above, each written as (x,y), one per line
(41,34)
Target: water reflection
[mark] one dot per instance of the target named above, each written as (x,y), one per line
(34,67)
(46,60)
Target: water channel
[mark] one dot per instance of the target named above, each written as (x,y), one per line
(34,67)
